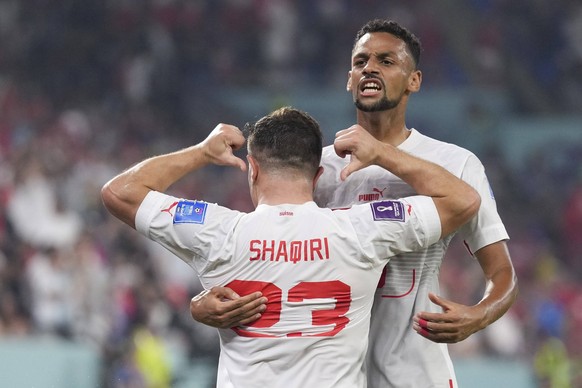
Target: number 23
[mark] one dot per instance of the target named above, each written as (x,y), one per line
(334,289)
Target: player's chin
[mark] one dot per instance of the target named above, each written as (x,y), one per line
(369,105)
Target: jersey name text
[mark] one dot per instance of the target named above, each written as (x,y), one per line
(289,251)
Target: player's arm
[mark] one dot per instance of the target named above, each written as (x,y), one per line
(123,194)
(456,201)
(221,307)
(458,321)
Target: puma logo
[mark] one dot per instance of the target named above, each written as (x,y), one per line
(381,192)
(376,195)
(169,209)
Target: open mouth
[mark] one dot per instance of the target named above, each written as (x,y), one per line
(370,87)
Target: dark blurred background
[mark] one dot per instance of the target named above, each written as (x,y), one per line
(88,88)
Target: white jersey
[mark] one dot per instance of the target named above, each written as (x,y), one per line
(398,357)
(318,268)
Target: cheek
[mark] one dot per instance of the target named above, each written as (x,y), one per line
(396,84)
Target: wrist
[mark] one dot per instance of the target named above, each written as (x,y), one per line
(483,318)
(200,295)
(386,157)
(196,156)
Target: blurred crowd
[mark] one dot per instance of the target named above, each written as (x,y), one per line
(89,88)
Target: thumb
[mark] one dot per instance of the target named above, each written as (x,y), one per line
(227,158)
(439,301)
(235,161)
(353,166)
(346,172)
(225,293)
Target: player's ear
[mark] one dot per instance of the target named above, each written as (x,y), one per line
(317,175)
(414,80)
(253,168)
(349,84)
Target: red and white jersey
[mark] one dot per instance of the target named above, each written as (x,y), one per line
(398,357)
(318,268)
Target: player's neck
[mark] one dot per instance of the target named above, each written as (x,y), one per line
(387,126)
(276,191)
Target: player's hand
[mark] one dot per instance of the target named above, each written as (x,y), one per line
(221,142)
(223,308)
(360,145)
(454,324)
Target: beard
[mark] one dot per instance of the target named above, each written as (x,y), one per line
(381,105)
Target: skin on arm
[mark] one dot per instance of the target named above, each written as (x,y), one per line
(455,205)
(456,201)
(223,308)
(123,194)
(458,321)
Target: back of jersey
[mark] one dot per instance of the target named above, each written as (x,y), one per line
(320,284)
(317,267)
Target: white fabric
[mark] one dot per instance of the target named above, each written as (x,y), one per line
(398,357)
(318,267)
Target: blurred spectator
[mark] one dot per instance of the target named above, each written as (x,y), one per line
(279,42)
(35,212)
(572,226)
(151,359)
(52,294)
(570,62)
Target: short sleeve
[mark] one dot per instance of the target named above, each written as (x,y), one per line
(391,227)
(192,230)
(486,227)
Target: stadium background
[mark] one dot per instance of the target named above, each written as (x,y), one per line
(89,87)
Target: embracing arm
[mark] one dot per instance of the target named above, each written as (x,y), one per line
(456,201)
(501,282)
(221,307)
(458,321)
(123,194)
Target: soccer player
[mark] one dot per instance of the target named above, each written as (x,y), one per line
(411,323)
(317,267)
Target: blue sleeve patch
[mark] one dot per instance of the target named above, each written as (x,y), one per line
(190,212)
(387,211)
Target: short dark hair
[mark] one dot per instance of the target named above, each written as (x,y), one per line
(286,139)
(391,27)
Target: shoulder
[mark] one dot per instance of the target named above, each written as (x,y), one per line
(159,210)
(451,156)
(424,142)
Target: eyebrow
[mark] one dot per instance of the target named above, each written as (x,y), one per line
(381,55)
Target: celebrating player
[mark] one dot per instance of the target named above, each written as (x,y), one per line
(318,268)
(384,74)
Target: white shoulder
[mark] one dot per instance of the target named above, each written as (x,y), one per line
(451,156)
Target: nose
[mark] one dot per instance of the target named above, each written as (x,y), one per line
(371,67)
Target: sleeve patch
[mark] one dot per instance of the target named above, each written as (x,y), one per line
(388,211)
(190,212)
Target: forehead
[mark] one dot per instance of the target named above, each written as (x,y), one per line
(377,43)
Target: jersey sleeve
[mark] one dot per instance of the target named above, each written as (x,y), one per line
(486,227)
(387,228)
(195,231)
